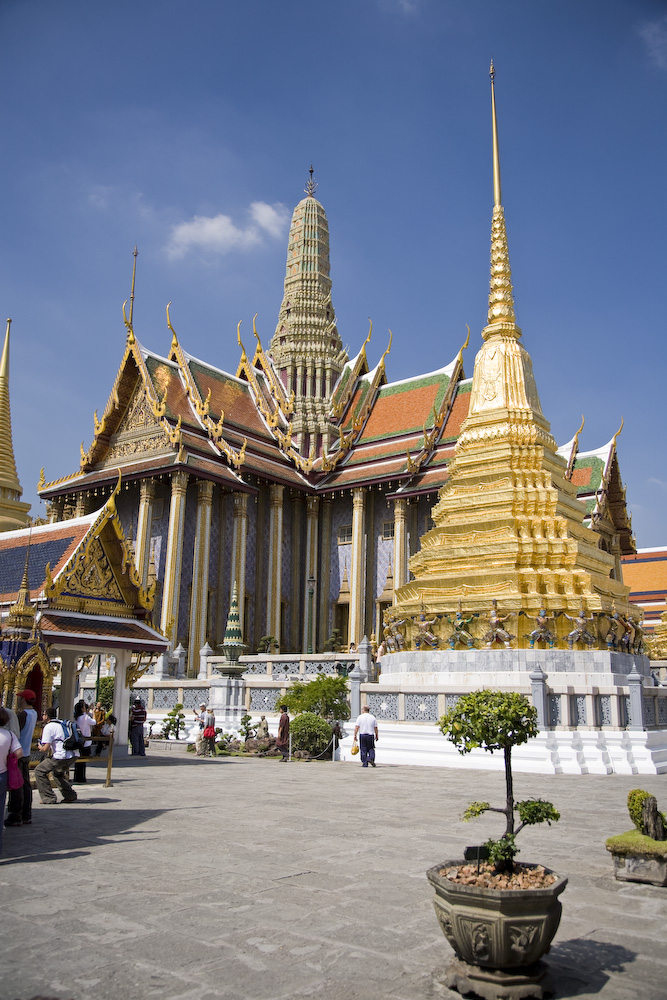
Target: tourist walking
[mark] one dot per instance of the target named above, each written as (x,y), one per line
(367,728)
(9,743)
(137,719)
(57,764)
(20,799)
(85,724)
(200,746)
(208,733)
(282,740)
(99,715)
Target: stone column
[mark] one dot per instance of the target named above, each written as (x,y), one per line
(239,545)
(171,588)
(273,597)
(357,569)
(121,702)
(538,686)
(324,575)
(636,720)
(365,659)
(310,643)
(400,544)
(355,677)
(142,546)
(199,599)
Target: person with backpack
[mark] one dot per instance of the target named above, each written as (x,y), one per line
(54,736)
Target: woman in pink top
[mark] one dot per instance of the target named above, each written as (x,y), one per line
(9,743)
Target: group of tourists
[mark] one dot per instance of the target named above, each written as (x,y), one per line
(205,737)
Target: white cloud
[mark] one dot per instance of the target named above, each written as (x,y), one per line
(657,482)
(219,234)
(654,36)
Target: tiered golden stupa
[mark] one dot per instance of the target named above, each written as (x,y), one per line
(508,525)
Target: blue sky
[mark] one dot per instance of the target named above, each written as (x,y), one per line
(188,126)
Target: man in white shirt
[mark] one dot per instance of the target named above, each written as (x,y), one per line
(367,728)
(53,735)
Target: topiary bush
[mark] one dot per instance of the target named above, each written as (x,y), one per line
(311,733)
(174,722)
(498,720)
(635,805)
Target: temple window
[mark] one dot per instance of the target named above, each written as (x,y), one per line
(387,530)
(345,534)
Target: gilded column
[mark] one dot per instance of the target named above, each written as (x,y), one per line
(296,618)
(144,522)
(171,588)
(199,599)
(400,544)
(273,597)
(357,569)
(324,575)
(310,643)
(239,545)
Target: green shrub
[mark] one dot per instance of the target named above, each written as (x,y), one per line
(105,693)
(324,696)
(310,733)
(174,722)
(636,799)
(497,720)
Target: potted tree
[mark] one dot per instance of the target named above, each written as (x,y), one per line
(641,854)
(499,917)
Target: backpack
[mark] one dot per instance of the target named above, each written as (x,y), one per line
(72,739)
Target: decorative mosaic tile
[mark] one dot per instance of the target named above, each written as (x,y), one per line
(165,698)
(578,709)
(264,699)
(286,668)
(604,709)
(421,707)
(451,701)
(193,697)
(649,711)
(555,718)
(384,706)
(321,667)
(624,706)
(662,711)
(260,667)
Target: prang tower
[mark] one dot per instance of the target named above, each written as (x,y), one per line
(306,348)
(13,512)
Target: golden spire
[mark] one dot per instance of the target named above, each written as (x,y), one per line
(9,482)
(22,613)
(501,295)
(135,254)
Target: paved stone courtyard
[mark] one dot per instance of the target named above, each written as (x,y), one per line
(237,879)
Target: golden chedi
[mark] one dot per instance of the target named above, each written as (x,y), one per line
(508,524)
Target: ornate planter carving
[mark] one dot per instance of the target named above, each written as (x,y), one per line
(639,868)
(498,935)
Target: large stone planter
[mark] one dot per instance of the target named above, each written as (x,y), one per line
(498,935)
(640,868)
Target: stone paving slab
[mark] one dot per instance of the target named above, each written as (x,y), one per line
(236,879)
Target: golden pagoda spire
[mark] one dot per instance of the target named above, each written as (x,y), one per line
(135,254)
(13,513)
(22,613)
(501,295)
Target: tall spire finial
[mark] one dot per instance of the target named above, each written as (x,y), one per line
(135,254)
(311,186)
(497,200)
(501,294)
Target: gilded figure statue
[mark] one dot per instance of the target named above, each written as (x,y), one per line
(542,632)
(425,637)
(621,634)
(460,633)
(497,631)
(393,637)
(580,632)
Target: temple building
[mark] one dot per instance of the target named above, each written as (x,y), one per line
(310,481)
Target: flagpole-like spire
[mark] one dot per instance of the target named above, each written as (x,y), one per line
(497,199)
(501,294)
(8,477)
(135,254)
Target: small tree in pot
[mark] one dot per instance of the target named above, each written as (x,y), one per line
(499,934)
(497,720)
